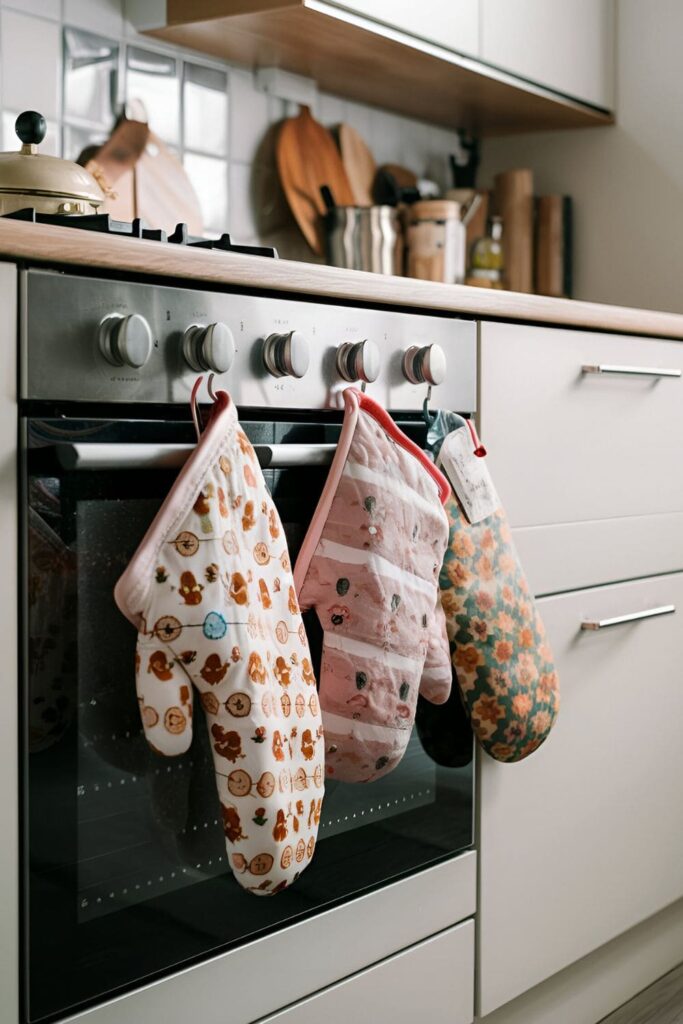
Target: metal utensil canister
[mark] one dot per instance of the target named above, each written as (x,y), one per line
(365,238)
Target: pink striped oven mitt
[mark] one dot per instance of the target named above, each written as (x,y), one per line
(370,566)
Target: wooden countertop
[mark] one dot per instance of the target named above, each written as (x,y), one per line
(67,246)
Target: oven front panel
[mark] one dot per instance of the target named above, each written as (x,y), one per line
(125,862)
(62,359)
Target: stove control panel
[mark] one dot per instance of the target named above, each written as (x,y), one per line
(97,340)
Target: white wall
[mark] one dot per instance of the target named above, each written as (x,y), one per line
(626,180)
(31,78)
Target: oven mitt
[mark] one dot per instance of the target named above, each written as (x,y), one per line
(211,593)
(502,660)
(369,566)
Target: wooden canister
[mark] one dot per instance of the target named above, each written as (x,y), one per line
(436,241)
(553,246)
(514,200)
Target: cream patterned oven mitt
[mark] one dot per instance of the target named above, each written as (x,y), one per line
(210,591)
(370,566)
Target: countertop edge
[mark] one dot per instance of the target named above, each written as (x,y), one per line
(68,246)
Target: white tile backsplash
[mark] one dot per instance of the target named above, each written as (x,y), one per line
(250,116)
(243,227)
(331,110)
(43,8)
(102,16)
(31,63)
(30,75)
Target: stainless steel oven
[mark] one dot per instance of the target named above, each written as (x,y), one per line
(123,866)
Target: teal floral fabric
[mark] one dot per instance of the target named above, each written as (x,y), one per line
(499,651)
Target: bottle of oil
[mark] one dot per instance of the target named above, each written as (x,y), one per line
(487,265)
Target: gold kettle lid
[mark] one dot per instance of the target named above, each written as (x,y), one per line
(32,173)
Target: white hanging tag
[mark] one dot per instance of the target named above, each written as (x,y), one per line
(468,475)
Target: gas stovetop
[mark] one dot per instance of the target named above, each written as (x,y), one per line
(105,224)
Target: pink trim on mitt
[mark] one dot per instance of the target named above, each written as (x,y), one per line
(326,498)
(131,590)
(385,421)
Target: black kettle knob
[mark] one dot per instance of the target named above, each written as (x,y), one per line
(30,127)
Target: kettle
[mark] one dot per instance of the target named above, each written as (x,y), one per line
(46,183)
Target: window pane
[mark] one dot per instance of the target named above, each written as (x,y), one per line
(210,180)
(78,139)
(205,97)
(153,79)
(90,77)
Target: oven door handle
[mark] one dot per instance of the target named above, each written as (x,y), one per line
(173,456)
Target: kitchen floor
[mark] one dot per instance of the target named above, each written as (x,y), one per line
(661,1003)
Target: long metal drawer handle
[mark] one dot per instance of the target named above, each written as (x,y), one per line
(632,371)
(618,620)
(172,456)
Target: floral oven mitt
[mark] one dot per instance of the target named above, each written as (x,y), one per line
(502,660)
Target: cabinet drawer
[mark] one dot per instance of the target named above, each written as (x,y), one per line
(572,556)
(583,840)
(433,981)
(568,446)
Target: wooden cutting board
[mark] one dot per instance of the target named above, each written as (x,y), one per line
(403,177)
(307,158)
(359,164)
(164,193)
(148,180)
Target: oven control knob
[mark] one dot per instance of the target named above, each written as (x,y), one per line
(425,365)
(125,340)
(286,355)
(358,360)
(209,348)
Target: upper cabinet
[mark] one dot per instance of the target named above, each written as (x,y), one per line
(462,63)
(453,25)
(566,46)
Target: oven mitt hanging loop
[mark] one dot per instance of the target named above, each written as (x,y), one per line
(369,566)
(210,590)
(500,653)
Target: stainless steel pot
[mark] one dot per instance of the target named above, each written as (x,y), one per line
(50,185)
(365,238)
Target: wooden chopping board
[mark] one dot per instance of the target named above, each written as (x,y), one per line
(307,158)
(359,164)
(148,181)
(403,177)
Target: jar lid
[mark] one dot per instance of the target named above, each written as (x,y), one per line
(435,209)
(32,173)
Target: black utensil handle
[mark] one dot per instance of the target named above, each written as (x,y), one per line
(328,198)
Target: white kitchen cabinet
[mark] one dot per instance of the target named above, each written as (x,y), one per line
(567,446)
(573,556)
(453,25)
(432,981)
(583,840)
(566,46)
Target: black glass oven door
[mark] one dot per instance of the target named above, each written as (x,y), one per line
(126,875)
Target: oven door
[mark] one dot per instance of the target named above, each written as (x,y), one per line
(126,874)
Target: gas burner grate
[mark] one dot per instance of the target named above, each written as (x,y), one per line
(105,224)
